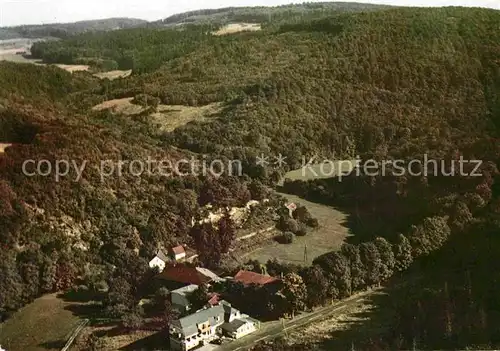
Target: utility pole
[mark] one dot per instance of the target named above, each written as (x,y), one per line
(305,253)
(284,328)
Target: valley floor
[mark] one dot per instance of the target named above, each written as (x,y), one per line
(44,325)
(328,237)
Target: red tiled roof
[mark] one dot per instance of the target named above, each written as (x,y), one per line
(247,278)
(214,299)
(178,250)
(184,274)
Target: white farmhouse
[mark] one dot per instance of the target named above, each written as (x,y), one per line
(178,253)
(159,261)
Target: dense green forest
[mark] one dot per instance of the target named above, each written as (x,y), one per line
(265,14)
(391,84)
(65,30)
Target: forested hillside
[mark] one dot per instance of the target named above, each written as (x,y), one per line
(391,84)
(53,233)
(64,30)
(264,14)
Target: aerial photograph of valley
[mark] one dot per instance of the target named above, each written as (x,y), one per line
(249,175)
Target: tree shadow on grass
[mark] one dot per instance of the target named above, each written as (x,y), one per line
(378,209)
(91,311)
(81,296)
(362,326)
(157,341)
(53,345)
(374,328)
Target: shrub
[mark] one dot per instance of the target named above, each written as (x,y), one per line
(288,225)
(302,214)
(146,100)
(302,231)
(313,223)
(287,238)
(132,320)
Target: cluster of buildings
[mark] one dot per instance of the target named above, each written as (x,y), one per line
(174,254)
(208,324)
(217,319)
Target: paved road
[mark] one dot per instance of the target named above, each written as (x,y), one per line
(273,329)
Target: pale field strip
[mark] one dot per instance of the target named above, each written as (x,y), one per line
(11,55)
(167,117)
(238,27)
(113,74)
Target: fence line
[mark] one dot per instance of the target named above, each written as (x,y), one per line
(75,333)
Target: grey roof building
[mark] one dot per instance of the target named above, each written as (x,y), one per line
(207,324)
(234,325)
(189,324)
(196,329)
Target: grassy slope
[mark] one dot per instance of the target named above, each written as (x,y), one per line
(42,325)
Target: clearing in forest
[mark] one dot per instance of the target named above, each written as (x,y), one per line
(124,106)
(73,68)
(112,75)
(42,325)
(167,117)
(238,27)
(170,117)
(331,169)
(328,237)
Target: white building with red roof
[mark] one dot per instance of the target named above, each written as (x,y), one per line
(178,253)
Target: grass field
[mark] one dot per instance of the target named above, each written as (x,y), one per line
(345,329)
(167,117)
(113,74)
(73,68)
(170,117)
(124,106)
(42,325)
(9,55)
(238,27)
(328,237)
(321,171)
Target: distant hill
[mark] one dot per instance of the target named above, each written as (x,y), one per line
(262,14)
(63,30)
(221,16)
